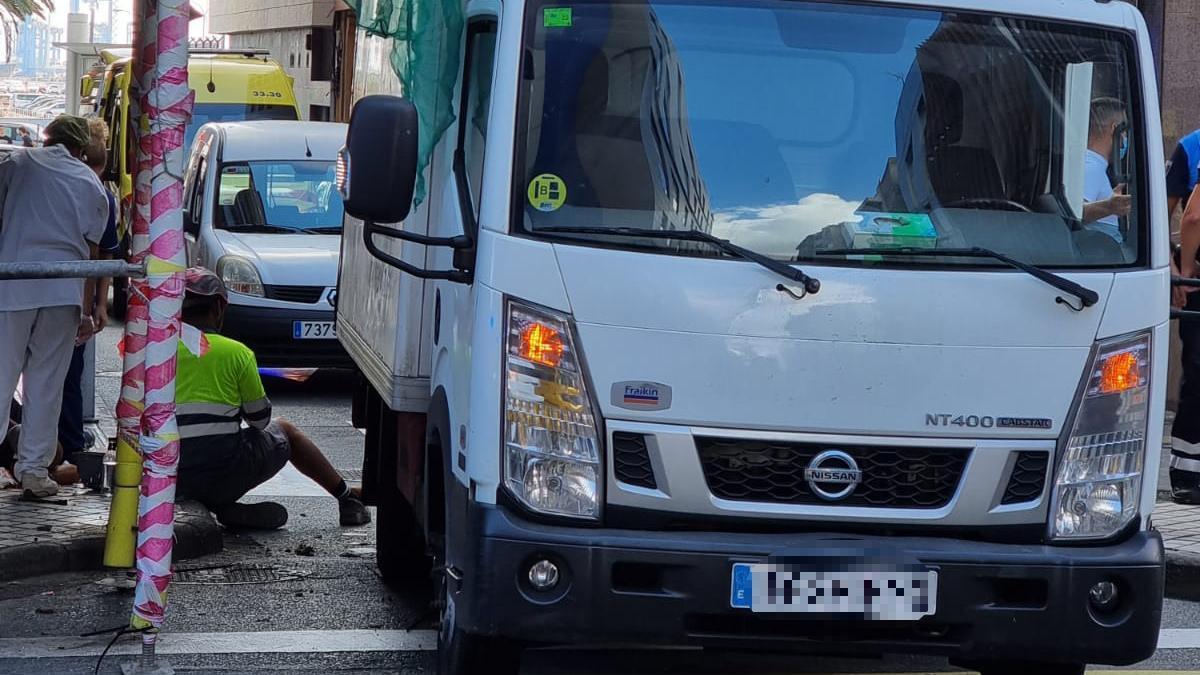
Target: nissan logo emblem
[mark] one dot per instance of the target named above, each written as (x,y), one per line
(832,475)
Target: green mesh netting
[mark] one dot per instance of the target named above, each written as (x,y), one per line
(426,35)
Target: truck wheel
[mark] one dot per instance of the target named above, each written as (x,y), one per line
(399,547)
(463,653)
(1029,668)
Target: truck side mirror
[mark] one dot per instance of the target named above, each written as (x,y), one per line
(377,168)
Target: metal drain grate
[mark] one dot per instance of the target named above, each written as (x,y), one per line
(229,575)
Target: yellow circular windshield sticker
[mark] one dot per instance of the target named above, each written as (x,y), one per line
(547,192)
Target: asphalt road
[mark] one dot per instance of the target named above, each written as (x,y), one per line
(307,598)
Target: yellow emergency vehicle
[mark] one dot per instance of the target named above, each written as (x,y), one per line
(230,85)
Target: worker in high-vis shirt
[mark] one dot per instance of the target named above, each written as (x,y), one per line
(221,459)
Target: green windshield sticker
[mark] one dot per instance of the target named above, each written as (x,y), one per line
(556,17)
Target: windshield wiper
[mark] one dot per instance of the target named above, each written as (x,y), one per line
(1086,296)
(785,270)
(265,227)
(330,229)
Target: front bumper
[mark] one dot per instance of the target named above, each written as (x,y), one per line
(268,332)
(995,601)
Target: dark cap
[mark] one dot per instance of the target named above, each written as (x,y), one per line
(69,130)
(201,281)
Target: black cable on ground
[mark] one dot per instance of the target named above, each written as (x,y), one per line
(124,630)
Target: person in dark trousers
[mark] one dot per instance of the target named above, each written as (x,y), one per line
(220,460)
(71,433)
(1183,174)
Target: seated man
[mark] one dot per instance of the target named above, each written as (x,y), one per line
(1104,205)
(220,460)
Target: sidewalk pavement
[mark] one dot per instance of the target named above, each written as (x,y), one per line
(66,533)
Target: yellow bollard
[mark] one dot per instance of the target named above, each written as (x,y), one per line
(120,538)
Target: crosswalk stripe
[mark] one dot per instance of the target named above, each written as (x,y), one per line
(1179,638)
(326,641)
(258,642)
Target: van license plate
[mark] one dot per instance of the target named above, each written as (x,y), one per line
(876,593)
(314,330)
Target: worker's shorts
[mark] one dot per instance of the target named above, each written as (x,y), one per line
(260,454)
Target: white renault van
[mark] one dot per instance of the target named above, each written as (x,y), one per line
(264,214)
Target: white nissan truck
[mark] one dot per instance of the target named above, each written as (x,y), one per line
(770,324)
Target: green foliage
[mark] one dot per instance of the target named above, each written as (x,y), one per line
(426,40)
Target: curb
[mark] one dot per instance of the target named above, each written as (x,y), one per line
(196,534)
(1183,566)
(1183,576)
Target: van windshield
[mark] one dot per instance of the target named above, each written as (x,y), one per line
(793,127)
(279,195)
(203,113)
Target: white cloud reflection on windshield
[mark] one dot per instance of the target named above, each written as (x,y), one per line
(776,230)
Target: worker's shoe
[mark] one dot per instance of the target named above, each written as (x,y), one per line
(351,511)
(1185,487)
(256,516)
(38,486)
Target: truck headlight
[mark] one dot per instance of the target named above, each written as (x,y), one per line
(551,446)
(1099,478)
(240,276)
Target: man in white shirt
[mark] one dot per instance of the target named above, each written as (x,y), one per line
(1103,205)
(53,209)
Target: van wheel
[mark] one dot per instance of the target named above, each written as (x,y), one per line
(1029,668)
(120,292)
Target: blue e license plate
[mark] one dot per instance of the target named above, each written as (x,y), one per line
(877,592)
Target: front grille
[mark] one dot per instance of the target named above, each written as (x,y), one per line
(631,460)
(773,472)
(305,294)
(1028,477)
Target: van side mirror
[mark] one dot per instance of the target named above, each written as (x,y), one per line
(112,172)
(190,225)
(377,169)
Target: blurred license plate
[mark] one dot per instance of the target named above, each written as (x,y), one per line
(873,591)
(313,330)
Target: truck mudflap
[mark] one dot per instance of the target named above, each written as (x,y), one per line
(994,601)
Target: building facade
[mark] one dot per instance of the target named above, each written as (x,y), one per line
(1174,25)
(298,34)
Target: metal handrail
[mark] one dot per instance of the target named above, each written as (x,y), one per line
(75,269)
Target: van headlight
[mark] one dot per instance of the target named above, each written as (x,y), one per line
(551,445)
(1099,478)
(240,276)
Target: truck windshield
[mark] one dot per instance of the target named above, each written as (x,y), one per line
(279,195)
(791,128)
(203,113)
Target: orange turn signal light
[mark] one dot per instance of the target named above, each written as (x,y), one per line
(542,344)
(1119,372)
